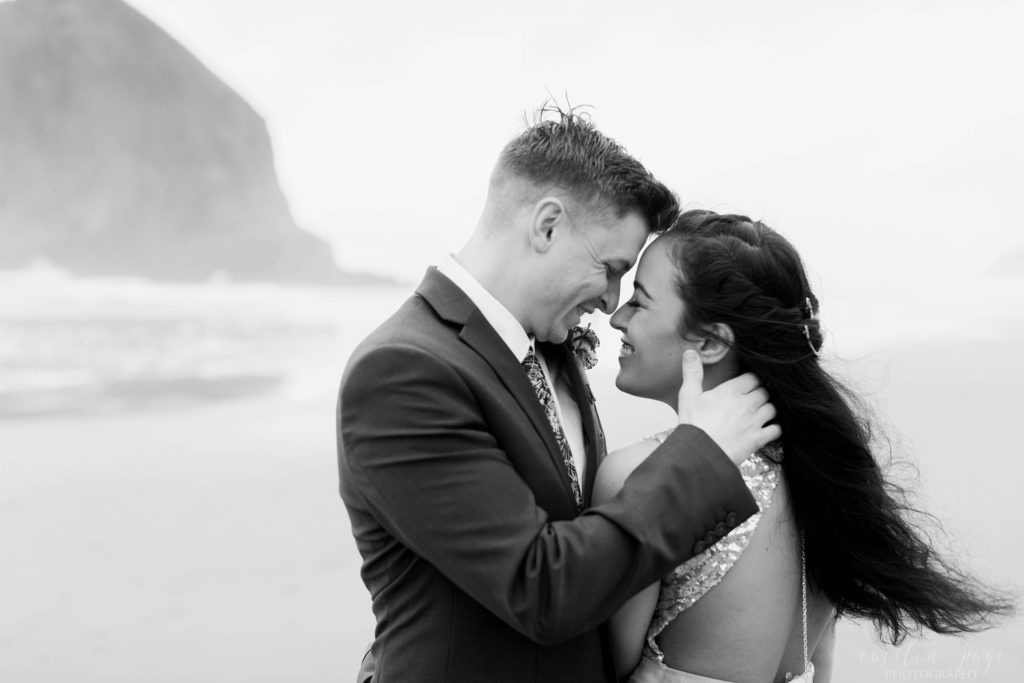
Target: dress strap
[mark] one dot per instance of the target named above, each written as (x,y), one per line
(662,435)
(808,673)
(803,593)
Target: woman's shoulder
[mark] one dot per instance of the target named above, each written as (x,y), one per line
(618,465)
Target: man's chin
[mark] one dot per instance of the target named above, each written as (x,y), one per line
(556,336)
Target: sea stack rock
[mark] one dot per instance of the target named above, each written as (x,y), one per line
(122,154)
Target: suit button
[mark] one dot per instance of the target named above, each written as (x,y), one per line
(721,529)
(731,519)
(699,547)
(710,537)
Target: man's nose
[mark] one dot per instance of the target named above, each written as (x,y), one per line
(610,298)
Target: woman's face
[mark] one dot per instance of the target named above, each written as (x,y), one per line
(650,360)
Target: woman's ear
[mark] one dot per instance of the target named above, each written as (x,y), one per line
(717,344)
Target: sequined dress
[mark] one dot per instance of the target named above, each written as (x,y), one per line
(690,581)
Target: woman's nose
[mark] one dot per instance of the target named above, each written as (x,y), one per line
(620,318)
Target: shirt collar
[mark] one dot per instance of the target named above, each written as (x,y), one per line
(494,312)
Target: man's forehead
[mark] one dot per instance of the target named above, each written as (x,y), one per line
(630,236)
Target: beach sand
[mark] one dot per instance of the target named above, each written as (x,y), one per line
(203,543)
(205,540)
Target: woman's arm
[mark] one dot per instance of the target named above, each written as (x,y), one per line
(628,629)
(629,625)
(822,655)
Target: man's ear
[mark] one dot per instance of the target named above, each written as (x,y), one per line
(548,220)
(717,345)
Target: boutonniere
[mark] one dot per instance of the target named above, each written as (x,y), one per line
(584,344)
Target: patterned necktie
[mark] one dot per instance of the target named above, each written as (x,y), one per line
(540,387)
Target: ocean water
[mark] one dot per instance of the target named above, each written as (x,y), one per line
(106,345)
(70,345)
(168,487)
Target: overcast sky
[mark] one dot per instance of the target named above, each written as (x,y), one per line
(885,139)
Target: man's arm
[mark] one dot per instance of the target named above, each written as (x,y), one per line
(435,477)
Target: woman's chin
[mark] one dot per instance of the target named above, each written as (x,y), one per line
(623,384)
(627,384)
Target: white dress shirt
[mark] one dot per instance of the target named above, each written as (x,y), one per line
(519,343)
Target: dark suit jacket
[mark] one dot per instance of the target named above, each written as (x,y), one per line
(477,564)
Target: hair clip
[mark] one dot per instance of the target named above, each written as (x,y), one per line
(810,308)
(811,313)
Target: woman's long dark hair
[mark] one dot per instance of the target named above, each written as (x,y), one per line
(865,552)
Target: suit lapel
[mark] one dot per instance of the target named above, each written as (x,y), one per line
(452,305)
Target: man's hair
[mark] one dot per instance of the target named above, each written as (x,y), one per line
(564,149)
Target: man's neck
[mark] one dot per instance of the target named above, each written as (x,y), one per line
(494,275)
(494,311)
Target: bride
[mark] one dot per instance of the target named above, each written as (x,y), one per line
(832,537)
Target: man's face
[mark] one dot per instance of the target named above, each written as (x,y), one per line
(585,270)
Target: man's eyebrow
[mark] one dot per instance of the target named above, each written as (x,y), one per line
(619,266)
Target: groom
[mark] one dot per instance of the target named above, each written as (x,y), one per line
(468,436)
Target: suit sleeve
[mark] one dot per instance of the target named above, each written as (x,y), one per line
(427,466)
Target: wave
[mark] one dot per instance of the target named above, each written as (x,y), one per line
(70,344)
